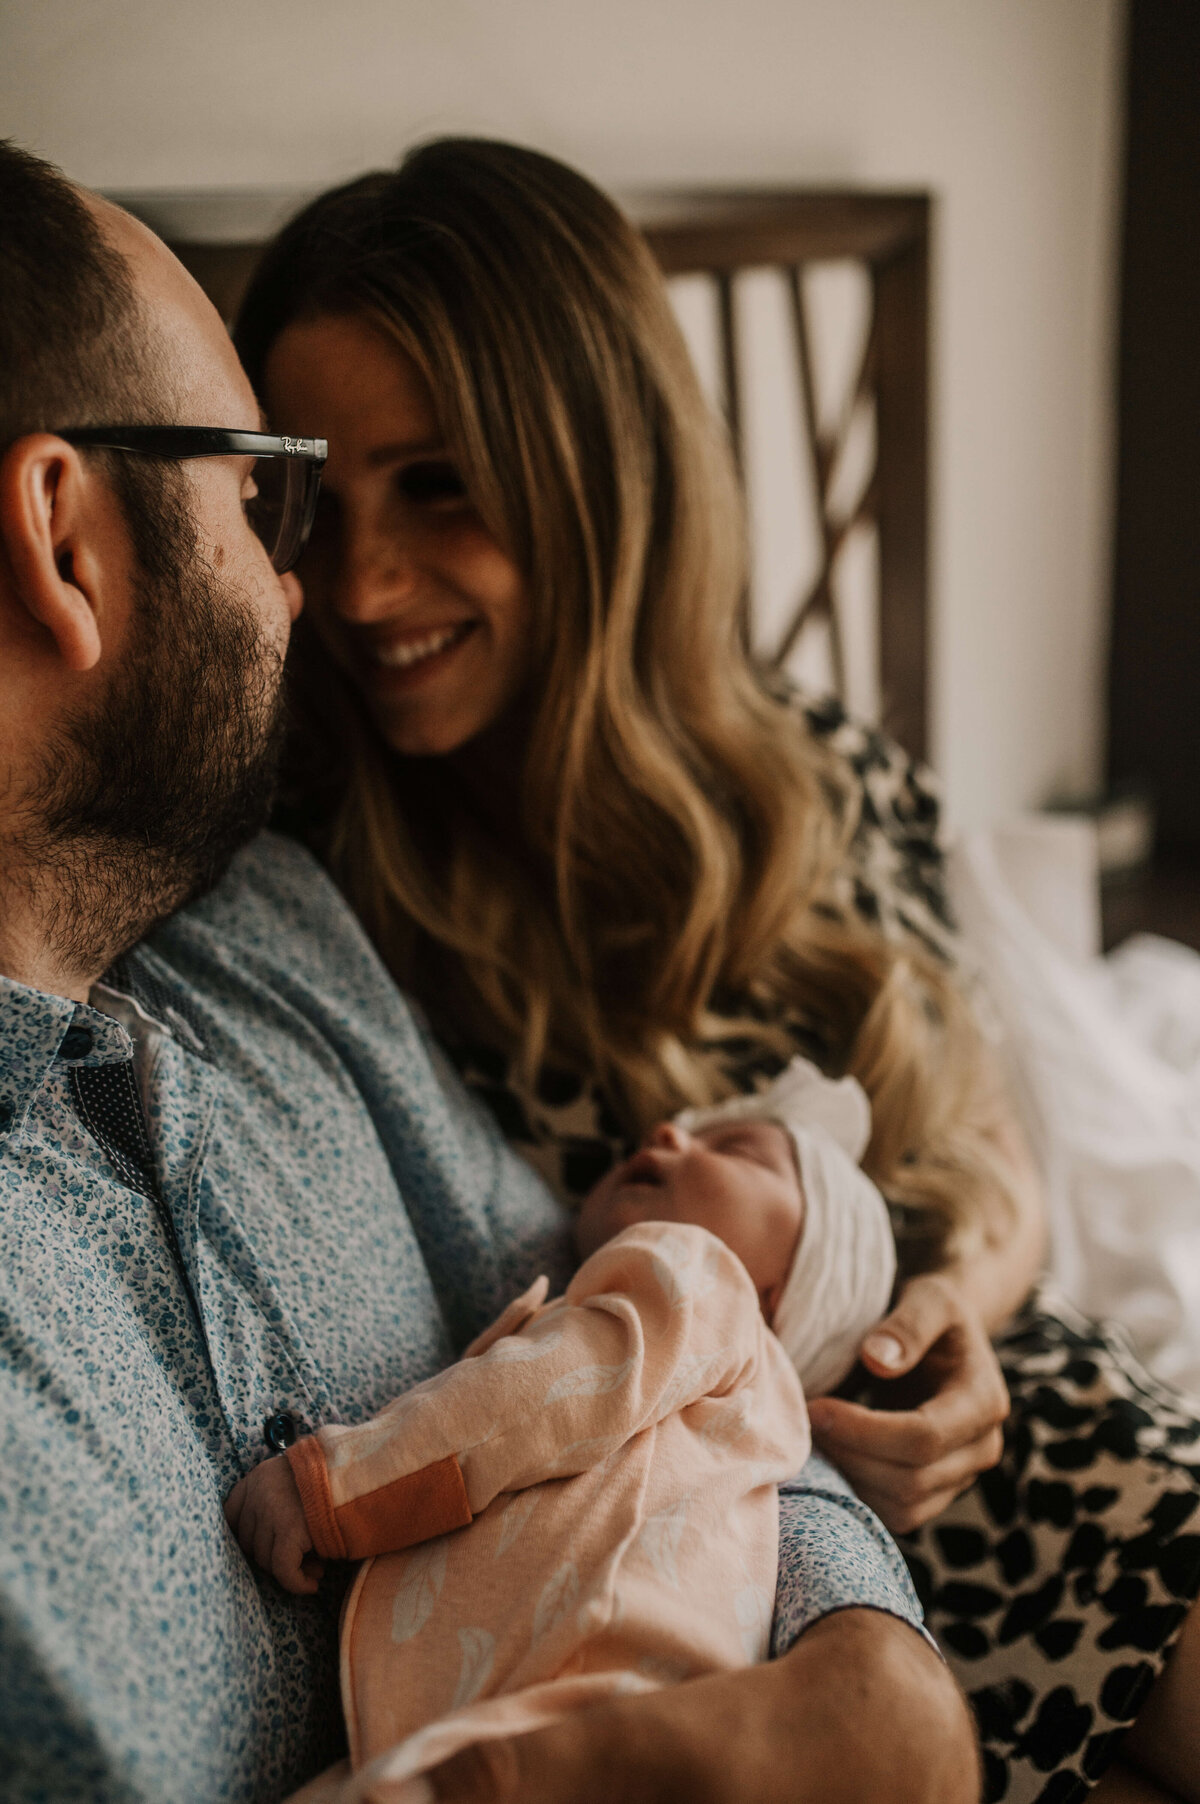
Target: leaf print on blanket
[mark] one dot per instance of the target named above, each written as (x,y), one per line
(728,1419)
(660,1539)
(713,1271)
(560,1595)
(480,1439)
(419,1589)
(675,1264)
(590,1381)
(593,1451)
(513,1518)
(478,1657)
(519,1347)
(753,1607)
(688,1382)
(344,1447)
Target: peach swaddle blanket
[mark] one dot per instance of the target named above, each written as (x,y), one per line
(615,1453)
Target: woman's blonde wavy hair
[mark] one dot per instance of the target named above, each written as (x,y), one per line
(679,829)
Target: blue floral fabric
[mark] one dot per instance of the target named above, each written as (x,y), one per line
(327,1219)
(846,1557)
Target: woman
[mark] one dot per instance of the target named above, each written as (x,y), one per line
(622,875)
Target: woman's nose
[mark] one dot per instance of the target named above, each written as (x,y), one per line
(670,1137)
(377,575)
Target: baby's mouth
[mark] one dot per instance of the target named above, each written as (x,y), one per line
(642,1168)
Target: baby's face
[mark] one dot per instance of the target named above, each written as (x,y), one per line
(738,1179)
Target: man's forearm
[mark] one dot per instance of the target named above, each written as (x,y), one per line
(861,1711)
(882,1717)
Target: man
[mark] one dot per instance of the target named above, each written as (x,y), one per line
(239,1192)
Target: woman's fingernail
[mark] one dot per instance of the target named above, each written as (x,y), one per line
(885,1349)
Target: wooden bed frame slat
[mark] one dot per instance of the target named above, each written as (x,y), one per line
(718,235)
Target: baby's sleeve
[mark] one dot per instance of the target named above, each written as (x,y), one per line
(658,1319)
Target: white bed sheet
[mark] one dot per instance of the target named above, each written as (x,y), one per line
(1104,1056)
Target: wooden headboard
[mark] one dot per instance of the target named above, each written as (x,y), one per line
(876,418)
(828,413)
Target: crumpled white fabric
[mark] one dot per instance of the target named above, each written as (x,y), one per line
(844,1267)
(1104,1054)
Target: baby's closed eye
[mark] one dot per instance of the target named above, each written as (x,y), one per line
(769,1148)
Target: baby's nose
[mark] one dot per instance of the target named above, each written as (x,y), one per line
(670,1137)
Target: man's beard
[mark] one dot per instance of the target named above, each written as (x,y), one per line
(142,802)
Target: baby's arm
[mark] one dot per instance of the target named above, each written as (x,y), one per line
(653,1322)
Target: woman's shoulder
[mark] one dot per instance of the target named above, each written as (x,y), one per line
(894,874)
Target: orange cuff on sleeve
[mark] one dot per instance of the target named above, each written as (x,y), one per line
(312,1481)
(411,1509)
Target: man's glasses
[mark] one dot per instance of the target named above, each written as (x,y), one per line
(287,473)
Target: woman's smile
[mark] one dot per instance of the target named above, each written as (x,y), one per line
(413,653)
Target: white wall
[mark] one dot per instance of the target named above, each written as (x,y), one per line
(1007,109)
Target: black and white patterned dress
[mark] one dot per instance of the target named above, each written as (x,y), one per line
(1057,1585)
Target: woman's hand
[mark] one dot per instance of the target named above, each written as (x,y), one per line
(860,1710)
(265,1513)
(938,1424)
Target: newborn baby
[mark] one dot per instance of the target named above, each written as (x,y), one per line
(611,1456)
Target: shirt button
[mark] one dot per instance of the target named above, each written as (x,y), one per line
(77,1042)
(280,1431)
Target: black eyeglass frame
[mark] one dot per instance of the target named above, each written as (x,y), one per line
(305,459)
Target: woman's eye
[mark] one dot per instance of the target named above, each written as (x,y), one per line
(431,484)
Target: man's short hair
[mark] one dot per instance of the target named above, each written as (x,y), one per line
(75,349)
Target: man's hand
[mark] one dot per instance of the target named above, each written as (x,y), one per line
(265,1513)
(860,1711)
(941,1425)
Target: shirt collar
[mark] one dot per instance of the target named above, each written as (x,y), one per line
(39,1031)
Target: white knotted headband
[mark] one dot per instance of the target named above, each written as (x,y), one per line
(841,1277)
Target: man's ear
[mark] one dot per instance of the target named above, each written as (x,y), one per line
(56,523)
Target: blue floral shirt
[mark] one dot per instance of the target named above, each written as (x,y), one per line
(240,1197)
